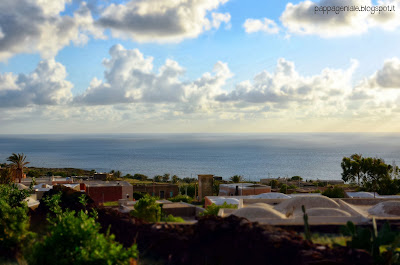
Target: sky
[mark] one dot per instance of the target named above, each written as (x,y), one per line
(195,66)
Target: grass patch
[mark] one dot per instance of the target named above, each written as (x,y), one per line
(109,204)
(330,240)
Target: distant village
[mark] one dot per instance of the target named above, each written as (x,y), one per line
(171,206)
(259,198)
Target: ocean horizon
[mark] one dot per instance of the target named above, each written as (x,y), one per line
(252,155)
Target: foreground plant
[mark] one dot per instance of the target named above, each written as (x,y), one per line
(213,209)
(383,245)
(14,221)
(75,238)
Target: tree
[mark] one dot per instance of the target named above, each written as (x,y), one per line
(147,209)
(188,189)
(14,220)
(335,192)
(18,163)
(189,180)
(175,179)
(140,177)
(165,177)
(15,228)
(376,171)
(157,178)
(353,168)
(236,179)
(117,174)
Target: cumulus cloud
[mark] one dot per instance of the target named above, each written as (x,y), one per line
(388,76)
(37,26)
(129,77)
(255,25)
(286,85)
(162,21)
(303,19)
(46,85)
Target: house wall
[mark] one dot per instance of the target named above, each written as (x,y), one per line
(227,191)
(105,193)
(170,190)
(205,185)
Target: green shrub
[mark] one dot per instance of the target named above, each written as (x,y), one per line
(296,178)
(292,187)
(14,231)
(274,183)
(190,188)
(335,192)
(12,195)
(320,183)
(181,198)
(147,209)
(75,239)
(171,218)
(283,188)
(213,209)
(140,177)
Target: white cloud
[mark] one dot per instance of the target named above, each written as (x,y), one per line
(255,25)
(46,85)
(162,21)
(303,19)
(286,86)
(388,76)
(129,77)
(37,26)
(218,18)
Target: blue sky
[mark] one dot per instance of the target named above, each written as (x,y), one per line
(68,66)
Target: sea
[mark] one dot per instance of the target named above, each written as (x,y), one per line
(253,156)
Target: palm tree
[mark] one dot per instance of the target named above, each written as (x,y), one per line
(18,163)
(236,179)
(117,174)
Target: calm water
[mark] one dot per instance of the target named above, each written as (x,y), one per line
(254,156)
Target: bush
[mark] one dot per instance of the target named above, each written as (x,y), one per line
(274,183)
(319,183)
(75,239)
(181,198)
(213,209)
(335,192)
(171,218)
(12,195)
(190,189)
(14,231)
(69,199)
(140,177)
(283,188)
(296,178)
(147,209)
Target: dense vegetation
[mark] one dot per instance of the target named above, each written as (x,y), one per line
(213,209)
(371,174)
(69,237)
(147,209)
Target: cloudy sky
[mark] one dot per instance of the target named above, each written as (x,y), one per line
(112,66)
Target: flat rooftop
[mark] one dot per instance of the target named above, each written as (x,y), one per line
(99,183)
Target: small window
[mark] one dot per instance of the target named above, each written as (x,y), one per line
(171,194)
(152,194)
(162,194)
